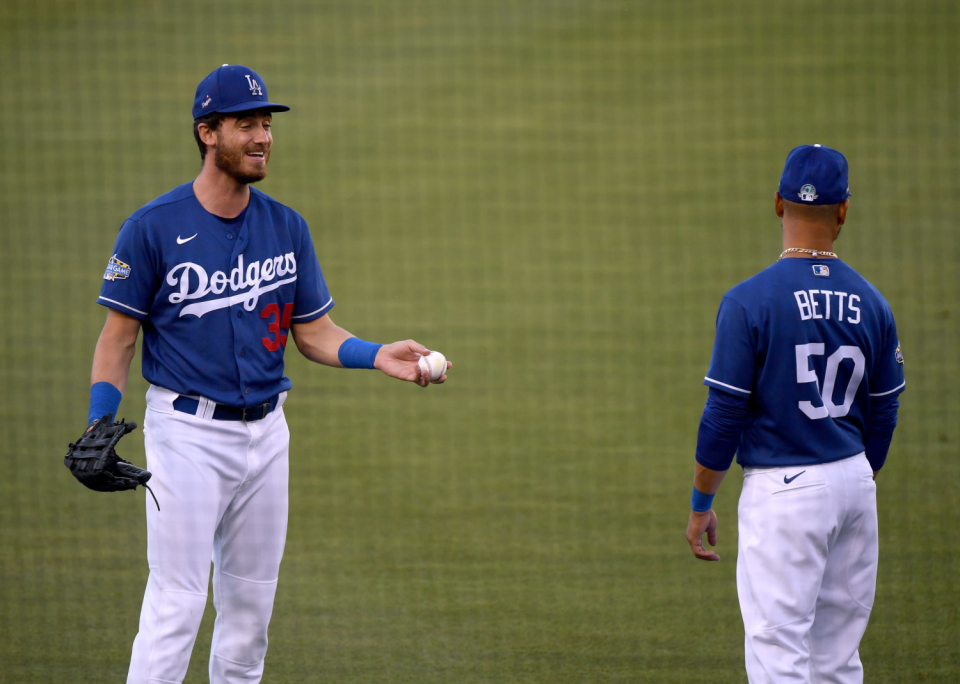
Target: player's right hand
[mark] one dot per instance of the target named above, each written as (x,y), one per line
(401,360)
(698,524)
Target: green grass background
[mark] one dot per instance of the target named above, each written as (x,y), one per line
(555,194)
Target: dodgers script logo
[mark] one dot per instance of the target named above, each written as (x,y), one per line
(256,274)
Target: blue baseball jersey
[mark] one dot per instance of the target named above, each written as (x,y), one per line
(808,342)
(216,296)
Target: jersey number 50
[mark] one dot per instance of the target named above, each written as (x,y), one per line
(805,374)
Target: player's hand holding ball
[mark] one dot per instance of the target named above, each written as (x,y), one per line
(411,361)
(433,365)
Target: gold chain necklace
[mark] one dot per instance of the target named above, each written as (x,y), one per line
(815,252)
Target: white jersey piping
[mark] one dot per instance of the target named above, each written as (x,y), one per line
(883,394)
(329,302)
(723,384)
(142,313)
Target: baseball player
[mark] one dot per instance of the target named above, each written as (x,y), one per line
(803,386)
(218,274)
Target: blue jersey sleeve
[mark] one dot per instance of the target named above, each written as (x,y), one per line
(313,299)
(733,364)
(887,377)
(130,281)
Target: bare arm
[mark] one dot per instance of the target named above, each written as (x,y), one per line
(320,340)
(706,481)
(115,350)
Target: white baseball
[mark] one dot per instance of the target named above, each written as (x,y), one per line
(433,363)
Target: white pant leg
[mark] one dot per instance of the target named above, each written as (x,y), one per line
(849,583)
(806,571)
(247,550)
(785,532)
(194,479)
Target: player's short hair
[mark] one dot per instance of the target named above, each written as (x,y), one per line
(811,212)
(213,120)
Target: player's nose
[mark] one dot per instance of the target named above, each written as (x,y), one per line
(261,135)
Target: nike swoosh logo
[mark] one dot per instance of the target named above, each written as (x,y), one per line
(182,242)
(788,480)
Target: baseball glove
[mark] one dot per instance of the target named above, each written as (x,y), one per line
(94,462)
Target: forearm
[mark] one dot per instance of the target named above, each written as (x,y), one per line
(706,480)
(320,340)
(111,359)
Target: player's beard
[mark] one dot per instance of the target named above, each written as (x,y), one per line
(230,161)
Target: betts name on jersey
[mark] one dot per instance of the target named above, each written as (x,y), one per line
(808,344)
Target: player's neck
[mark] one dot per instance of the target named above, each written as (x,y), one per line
(219,193)
(806,235)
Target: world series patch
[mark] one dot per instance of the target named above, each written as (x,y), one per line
(116,269)
(898,355)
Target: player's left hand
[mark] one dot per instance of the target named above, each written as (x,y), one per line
(401,360)
(698,524)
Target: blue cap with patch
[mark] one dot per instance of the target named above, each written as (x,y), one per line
(232,88)
(815,174)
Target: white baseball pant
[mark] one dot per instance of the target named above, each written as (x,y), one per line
(807,570)
(222,488)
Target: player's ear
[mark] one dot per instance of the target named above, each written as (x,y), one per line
(208,136)
(778,204)
(842,212)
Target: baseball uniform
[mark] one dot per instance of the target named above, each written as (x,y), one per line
(808,350)
(216,298)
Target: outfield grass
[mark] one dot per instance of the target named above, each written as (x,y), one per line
(554,194)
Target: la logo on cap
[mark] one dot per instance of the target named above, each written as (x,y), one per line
(808,193)
(254,86)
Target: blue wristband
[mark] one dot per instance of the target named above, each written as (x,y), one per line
(701,502)
(357,353)
(104,399)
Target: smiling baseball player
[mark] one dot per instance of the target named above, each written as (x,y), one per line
(217,275)
(804,380)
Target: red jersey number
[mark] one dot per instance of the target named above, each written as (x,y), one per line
(278,322)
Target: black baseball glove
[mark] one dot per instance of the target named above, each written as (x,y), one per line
(94,462)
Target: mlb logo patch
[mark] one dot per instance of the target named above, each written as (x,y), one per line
(821,270)
(116,269)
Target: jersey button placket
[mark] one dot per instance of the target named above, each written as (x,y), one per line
(238,248)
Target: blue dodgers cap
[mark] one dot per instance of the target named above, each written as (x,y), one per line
(815,174)
(232,88)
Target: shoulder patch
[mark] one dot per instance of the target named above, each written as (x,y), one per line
(898,355)
(116,269)
(821,270)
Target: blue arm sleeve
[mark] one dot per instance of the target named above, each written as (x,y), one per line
(720,427)
(883,420)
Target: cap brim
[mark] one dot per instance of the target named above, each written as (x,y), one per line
(254,105)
